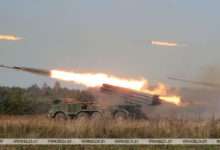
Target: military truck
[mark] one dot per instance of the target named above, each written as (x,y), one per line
(130,109)
(63,109)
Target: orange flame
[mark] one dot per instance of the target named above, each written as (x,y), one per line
(171,99)
(166,44)
(97,79)
(8,37)
(92,80)
(161,89)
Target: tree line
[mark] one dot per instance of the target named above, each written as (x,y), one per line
(35,99)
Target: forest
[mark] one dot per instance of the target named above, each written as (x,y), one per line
(35,99)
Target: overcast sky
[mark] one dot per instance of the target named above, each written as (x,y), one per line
(108,36)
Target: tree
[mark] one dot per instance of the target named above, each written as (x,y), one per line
(46,90)
(13,102)
(57,90)
(34,90)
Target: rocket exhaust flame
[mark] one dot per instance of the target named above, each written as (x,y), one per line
(167,44)
(171,99)
(98,79)
(8,37)
(92,80)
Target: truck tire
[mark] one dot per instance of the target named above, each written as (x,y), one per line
(120,115)
(60,116)
(83,116)
(96,116)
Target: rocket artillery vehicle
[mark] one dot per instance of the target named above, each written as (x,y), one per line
(130,109)
(133,102)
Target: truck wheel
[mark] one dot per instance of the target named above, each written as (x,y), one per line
(60,116)
(120,115)
(96,116)
(83,116)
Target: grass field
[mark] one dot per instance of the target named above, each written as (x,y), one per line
(42,127)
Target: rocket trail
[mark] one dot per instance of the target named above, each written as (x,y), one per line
(167,44)
(31,70)
(9,37)
(196,82)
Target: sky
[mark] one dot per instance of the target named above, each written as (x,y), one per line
(110,36)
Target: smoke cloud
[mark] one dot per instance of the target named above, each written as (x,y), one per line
(209,73)
(201,101)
